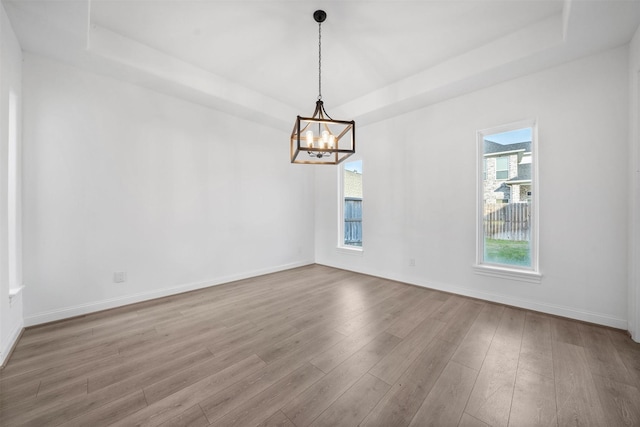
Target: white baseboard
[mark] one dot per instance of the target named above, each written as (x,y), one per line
(558,310)
(68,312)
(564,311)
(7,346)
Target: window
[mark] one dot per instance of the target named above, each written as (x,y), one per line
(507,202)
(12,194)
(502,167)
(351,205)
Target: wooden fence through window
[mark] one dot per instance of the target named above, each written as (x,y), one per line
(510,221)
(353,221)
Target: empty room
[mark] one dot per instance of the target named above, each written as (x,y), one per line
(320,213)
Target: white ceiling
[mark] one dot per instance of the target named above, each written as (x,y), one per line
(258,59)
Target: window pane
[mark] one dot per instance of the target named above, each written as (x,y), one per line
(502,163)
(352,207)
(502,168)
(506,215)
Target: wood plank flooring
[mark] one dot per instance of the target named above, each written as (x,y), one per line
(317,346)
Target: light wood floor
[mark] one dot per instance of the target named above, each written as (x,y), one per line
(322,347)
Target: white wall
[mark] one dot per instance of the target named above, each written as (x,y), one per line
(120,178)
(634,187)
(10,81)
(420,182)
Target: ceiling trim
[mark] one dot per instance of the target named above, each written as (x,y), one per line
(470,71)
(157,69)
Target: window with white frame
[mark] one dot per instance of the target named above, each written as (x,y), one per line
(507,201)
(12,194)
(350,220)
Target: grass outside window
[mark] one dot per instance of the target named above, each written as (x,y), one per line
(510,252)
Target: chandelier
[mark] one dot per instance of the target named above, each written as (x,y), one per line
(319,139)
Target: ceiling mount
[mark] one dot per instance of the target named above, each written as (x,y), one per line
(319,16)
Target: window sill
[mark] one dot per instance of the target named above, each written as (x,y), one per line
(351,250)
(508,273)
(13,293)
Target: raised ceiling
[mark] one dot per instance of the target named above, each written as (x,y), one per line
(258,59)
(266,46)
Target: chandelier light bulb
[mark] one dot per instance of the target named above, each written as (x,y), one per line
(309,135)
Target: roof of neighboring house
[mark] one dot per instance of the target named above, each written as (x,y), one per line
(491,147)
(524,173)
(503,188)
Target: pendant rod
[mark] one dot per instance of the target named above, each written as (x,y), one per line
(319,61)
(319,16)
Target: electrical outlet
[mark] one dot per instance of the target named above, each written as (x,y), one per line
(120,276)
(412,262)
